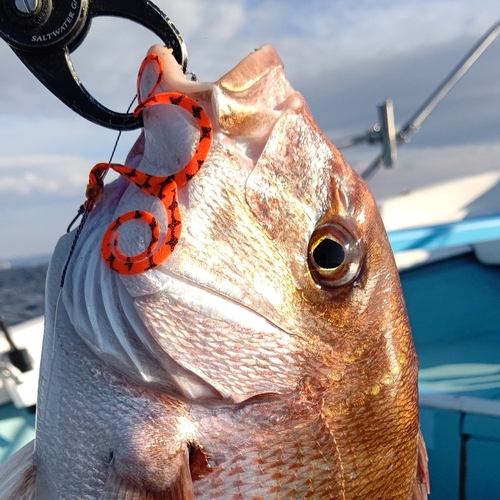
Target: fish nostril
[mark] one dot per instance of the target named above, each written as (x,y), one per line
(329,254)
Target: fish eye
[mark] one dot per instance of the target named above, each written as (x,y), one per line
(328,253)
(335,256)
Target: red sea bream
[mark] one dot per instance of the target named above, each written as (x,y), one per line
(267,356)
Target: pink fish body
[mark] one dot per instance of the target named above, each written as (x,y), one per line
(268,356)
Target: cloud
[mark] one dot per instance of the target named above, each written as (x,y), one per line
(469,113)
(57,176)
(69,135)
(196,20)
(312,37)
(344,56)
(33,226)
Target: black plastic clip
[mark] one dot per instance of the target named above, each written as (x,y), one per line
(43,33)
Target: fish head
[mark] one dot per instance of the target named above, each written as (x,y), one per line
(281,246)
(277,223)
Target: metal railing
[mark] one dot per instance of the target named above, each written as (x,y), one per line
(385,132)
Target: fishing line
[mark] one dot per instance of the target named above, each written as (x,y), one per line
(82,211)
(45,408)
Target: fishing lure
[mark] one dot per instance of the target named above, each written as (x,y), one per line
(164,188)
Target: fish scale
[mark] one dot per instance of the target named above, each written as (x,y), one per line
(131,402)
(207,335)
(273,462)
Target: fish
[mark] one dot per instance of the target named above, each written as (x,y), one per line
(231,330)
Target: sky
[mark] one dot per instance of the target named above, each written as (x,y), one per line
(344,56)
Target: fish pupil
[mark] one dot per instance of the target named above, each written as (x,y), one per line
(328,254)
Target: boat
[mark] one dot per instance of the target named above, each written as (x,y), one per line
(450,273)
(19,384)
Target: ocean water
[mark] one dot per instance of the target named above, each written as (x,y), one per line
(22,293)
